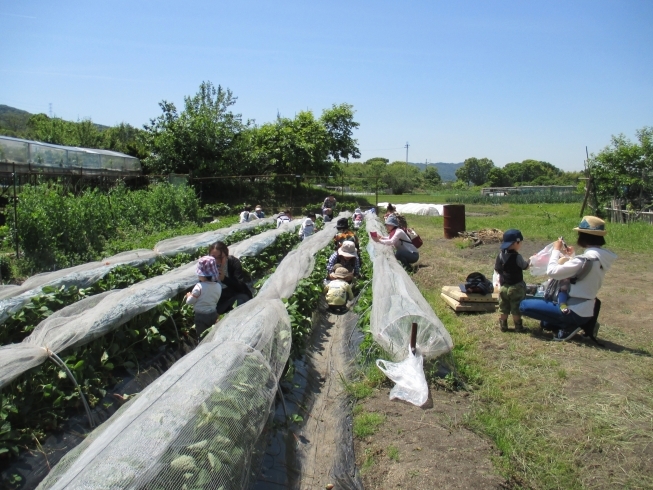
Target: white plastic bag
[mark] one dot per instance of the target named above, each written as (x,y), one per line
(409,378)
(540,261)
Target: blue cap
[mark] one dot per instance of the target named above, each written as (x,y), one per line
(511,236)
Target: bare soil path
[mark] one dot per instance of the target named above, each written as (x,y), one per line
(320,456)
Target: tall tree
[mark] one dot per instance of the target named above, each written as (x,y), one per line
(624,169)
(475,170)
(339,124)
(197,140)
(431,176)
(402,177)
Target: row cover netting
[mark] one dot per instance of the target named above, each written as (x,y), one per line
(97,315)
(398,303)
(13,298)
(200,424)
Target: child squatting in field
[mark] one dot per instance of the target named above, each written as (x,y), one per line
(510,266)
(205,294)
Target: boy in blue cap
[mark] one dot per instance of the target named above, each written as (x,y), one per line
(510,266)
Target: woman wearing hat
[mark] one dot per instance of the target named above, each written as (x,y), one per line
(405,251)
(346,257)
(589,269)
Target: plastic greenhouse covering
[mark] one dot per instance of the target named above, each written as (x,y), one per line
(398,304)
(33,155)
(13,298)
(419,209)
(200,425)
(93,317)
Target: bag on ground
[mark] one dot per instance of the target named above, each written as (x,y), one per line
(409,378)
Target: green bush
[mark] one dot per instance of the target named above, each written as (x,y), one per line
(58,229)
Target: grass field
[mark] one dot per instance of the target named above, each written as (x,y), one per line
(563,415)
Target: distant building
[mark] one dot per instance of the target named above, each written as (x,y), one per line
(528,189)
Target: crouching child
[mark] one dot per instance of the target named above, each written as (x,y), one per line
(205,295)
(338,290)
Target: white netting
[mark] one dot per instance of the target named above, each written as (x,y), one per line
(198,425)
(83,276)
(417,208)
(299,263)
(12,299)
(398,304)
(93,317)
(190,243)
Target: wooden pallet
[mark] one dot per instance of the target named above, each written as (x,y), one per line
(455,293)
(469,306)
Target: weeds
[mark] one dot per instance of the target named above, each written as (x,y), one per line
(393,453)
(367,423)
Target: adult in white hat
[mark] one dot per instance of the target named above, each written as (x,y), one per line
(346,257)
(586,273)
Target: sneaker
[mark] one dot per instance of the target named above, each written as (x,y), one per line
(563,335)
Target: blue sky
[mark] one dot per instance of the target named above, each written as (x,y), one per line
(507,80)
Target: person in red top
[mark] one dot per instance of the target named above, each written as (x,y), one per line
(405,251)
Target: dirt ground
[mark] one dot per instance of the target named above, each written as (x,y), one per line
(586,410)
(426,447)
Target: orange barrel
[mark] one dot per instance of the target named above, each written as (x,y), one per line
(454,219)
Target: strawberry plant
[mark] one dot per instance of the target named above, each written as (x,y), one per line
(21,324)
(36,403)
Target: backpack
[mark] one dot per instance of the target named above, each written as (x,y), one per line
(347,236)
(414,237)
(477,283)
(553,288)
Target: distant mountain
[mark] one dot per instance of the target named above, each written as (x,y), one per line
(13,121)
(446,170)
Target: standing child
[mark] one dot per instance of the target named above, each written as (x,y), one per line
(308,226)
(510,266)
(205,294)
(339,290)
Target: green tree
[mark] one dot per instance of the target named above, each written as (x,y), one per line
(125,139)
(51,130)
(532,172)
(475,170)
(199,139)
(339,124)
(497,177)
(431,177)
(624,169)
(401,177)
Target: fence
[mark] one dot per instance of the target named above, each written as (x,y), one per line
(619,215)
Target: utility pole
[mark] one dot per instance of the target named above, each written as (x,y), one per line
(50,110)
(407,145)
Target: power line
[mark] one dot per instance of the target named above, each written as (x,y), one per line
(383,149)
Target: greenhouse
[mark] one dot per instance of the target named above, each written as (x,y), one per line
(24,156)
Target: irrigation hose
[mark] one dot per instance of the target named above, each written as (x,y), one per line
(59,363)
